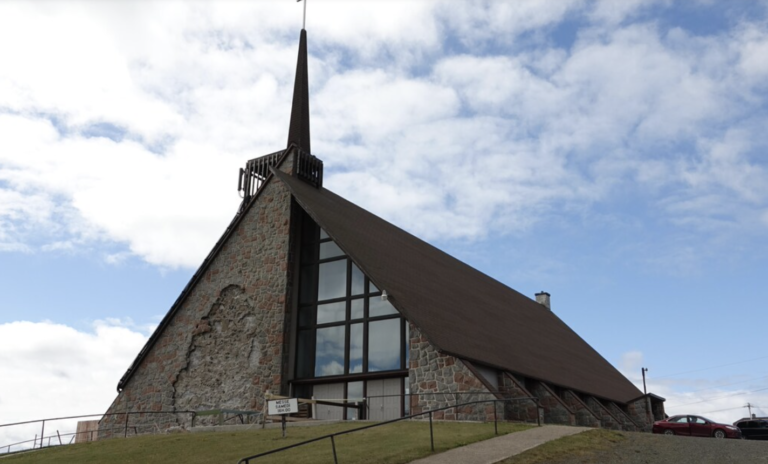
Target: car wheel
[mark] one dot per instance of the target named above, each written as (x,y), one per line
(669,432)
(719,434)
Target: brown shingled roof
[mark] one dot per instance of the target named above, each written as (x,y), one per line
(461,310)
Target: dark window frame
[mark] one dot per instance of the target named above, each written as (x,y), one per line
(312,245)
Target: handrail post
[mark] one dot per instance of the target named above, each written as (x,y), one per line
(495,421)
(538,412)
(42,434)
(333,445)
(431,434)
(125,435)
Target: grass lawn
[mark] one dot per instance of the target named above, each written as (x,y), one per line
(584,444)
(401,442)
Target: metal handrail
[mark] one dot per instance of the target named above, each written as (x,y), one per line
(124,427)
(332,436)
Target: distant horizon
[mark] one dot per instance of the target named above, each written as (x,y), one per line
(611,154)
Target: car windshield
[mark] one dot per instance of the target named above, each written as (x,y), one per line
(708,420)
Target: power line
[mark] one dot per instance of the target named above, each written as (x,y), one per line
(721,410)
(708,368)
(716,398)
(729,384)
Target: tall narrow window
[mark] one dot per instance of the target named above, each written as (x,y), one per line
(344,326)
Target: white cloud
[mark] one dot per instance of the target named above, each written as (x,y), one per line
(478,21)
(131,125)
(52,370)
(613,12)
(721,398)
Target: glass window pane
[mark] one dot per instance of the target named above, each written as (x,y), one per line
(332,312)
(354,393)
(357,309)
(372,288)
(307,291)
(330,250)
(304,354)
(379,307)
(384,345)
(355,348)
(323,234)
(332,280)
(358,281)
(329,351)
(306,316)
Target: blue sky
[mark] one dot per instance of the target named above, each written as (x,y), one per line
(610,153)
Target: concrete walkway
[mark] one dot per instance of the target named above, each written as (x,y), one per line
(499,448)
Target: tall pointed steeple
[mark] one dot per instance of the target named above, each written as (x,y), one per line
(298,132)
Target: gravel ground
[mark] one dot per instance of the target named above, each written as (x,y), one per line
(646,448)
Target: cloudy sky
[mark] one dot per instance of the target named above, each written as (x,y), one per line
(612,153)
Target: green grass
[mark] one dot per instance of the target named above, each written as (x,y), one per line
(395,443)
(582,445)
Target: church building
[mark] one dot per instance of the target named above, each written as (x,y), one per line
(308,295)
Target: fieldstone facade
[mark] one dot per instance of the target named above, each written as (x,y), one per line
(583,415)
(640,412)
(607,420)
(555,410)
(438,380)
(524,409)
(626,422)
(224,347)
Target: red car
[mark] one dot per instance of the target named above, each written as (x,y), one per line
(695,426)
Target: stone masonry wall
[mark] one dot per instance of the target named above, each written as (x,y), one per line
(658,410)
(584,416)
(639,411)
(607,420)
(438,380)
(223,348)
(555,410)
(626,422)
(524,410)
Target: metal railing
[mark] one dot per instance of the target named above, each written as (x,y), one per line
(429,413)
(307,166)
(123,428)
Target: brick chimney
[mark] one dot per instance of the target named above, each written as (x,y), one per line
(543,299)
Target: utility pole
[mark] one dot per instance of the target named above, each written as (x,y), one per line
(644,370)
(749,407)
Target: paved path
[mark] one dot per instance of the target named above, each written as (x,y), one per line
(499,448)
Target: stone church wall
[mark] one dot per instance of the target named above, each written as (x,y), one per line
(584,416)
(607,420)
(224,347)
(555,410)
(523,410)
(626,422)
(439,380)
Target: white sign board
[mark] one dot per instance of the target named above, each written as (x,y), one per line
(286,406)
